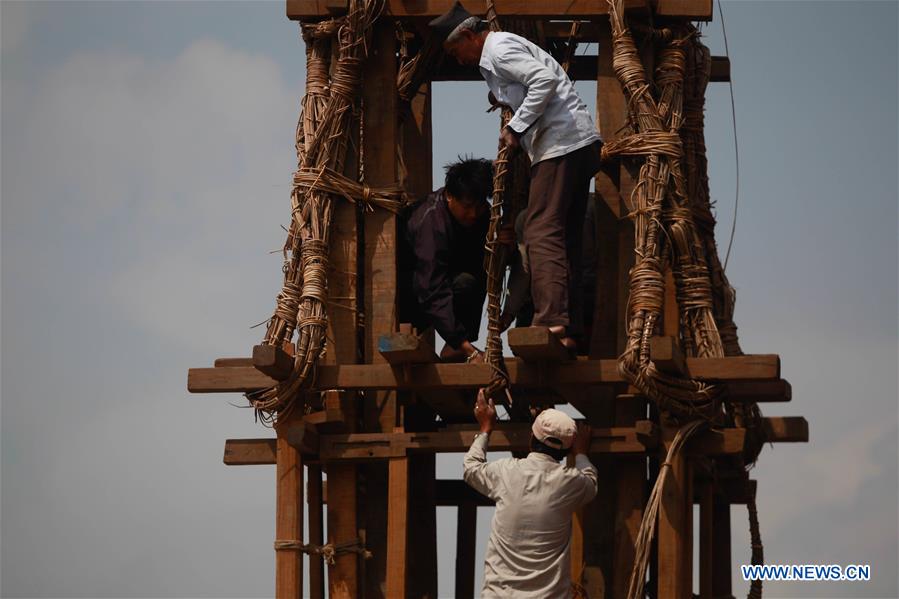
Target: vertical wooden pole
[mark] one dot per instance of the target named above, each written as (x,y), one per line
(380,413)
(675,533)
(721,574)
(397,531)
(707,556)
(316,532)
(466,544)
(288,521)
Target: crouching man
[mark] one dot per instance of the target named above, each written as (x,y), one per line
(529,551)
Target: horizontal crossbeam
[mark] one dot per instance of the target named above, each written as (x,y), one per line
(583,68)
(762,370)
(689,9)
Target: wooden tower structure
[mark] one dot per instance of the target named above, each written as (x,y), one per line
(380,404)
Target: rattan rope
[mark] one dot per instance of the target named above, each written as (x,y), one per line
(335,50)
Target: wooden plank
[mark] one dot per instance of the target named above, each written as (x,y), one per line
(288,521)
(428,9)
(666,354)
(272,361)
(751,374)
(675,533)
(398,500)
(729,441)
(250,452)
(537,344)
(786,429)
(316,501)
(466,539)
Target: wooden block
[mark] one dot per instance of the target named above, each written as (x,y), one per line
(272,361)
(405,348)
(759,391)
(302,436)
(720,69)
(250,452)
(666,354)
(232,362)
(537,344)
(786,429)
(698,10)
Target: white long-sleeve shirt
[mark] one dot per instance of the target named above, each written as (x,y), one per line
(552,117)
(529,551)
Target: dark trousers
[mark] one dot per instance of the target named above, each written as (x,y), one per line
(553,231)
(469,293)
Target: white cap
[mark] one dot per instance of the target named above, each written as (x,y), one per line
(554,428)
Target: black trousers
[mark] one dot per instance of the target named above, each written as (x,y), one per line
(469,293)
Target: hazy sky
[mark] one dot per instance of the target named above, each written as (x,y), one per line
(147,152)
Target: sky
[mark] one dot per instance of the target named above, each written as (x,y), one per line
(146,153)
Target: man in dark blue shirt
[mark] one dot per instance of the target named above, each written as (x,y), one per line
(442,279)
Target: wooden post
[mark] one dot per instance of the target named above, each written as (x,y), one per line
(466,540)
(316,532)
(381,134)
(397,531)
(676,532)
(288,521)
(721,574)
(707,557)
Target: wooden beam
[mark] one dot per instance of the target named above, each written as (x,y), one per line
(750,375)
(786,429)
(537,344)
(699,10)
(364,446)
(721,548)
(583,68)
(466,539)
(302,436)
(250,452)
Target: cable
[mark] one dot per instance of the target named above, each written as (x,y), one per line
(733,113)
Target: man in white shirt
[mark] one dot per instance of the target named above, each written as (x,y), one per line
(555,128)
(529,551)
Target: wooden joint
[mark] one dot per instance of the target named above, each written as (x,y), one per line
(666,354)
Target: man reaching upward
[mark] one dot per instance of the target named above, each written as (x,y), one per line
(529,551)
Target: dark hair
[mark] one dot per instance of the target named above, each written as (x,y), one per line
(470,179)
(540,447)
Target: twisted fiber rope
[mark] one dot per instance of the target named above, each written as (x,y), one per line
(663,229)
(328,551)
(322,139)
(643,545)
(758,550)
(496,255)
